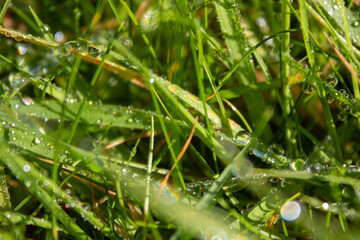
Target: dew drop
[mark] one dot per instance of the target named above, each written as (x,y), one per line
(325,206)
(36,141)
(152,80)
(314,168)
(344,93)
(22,49)
(26,168)
(45,28)
(342,116)
(133,152)
(9,34)
(308,88)
(298,165)
(332,80)
(259,150)
(356,23)
(242,137)
(59,36)
(94,52)
(27,184)
(276,149)
(329,98)
(290,211)
(343,106)
(19,38)
(261,22)
(127,42)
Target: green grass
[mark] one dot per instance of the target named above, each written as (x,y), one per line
(99,100)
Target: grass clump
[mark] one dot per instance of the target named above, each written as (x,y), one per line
(179,120)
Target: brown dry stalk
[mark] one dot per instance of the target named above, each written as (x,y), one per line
(69,171)
(343,59)
(181,154)
(121,141)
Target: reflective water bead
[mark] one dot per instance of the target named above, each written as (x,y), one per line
(290,211)
(36,141)
(127,42)
(343,106)
(26,168)
(353,108)
(298,165)
(329,98)
(261,22)
(133,152)
(314,168)
(22,49)
(242,168)
(59,36)
(45,28)
(308,88)
(342,116)
(242,137)
(276,149)
(259,150)
(344,93)
(355,23)
(325,206)
(94,52)
(332,80)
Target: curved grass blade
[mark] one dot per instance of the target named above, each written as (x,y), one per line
(31,177)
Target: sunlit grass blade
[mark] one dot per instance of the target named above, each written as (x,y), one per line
(30,176)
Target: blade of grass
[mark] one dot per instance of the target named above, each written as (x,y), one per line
(320,90)
(231,28)
(132,17)
(3,10)
(199,66)
(285,72)
(5,204)
(29,178)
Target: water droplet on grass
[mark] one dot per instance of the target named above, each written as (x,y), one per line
(242,137)
(308,88)
(22,49)
(127,42)
(94,52)
(342,116)
(343,106)
(27,184)
(332,80)
(298,165)
(45,28)
(276,149)
(325,206)
(36,141)
(329,98)
(344,93)
(356,23)
(259,150)
(261,22)
(314,168)
(26,168)
(59,36)
(290,211)
(133,152)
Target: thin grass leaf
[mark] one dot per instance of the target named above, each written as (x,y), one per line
(29,177)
